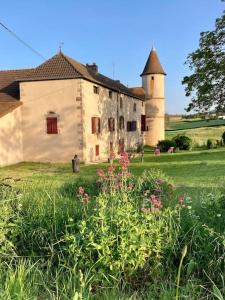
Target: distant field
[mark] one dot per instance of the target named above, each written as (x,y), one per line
(198,130)
(189,124)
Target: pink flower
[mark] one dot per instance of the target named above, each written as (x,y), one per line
(100,179)
(104,189)
(130,186)
(120,184)
(181,200)
(81,190)
(85,199)
(152,197)
(100,172)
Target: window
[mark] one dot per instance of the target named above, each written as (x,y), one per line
(121,102)
(52,125)
(96,150)
(143,123)
(96,89)
(110,94)
(121,122)
(135,107)
(131,125)
(152,77)
(111,124)
(95,125)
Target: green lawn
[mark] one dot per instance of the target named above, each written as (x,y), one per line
(195,171)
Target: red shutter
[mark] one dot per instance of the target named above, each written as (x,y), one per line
(52,127)
(93,125)
(143,122)
(99,125)
(97,150)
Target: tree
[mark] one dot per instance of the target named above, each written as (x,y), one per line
(206,85)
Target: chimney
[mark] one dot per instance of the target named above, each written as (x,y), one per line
(93,68)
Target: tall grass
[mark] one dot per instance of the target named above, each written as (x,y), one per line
(52,246)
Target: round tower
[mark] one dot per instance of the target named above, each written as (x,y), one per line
(153,83)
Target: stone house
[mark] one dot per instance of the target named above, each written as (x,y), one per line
(63,107)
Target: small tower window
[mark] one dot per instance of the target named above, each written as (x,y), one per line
(111,124)
(135,107)
(121,122)
(121,102)
(96,89)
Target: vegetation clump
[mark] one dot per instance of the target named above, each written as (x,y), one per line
(165,145)
(183,142)
(209,144)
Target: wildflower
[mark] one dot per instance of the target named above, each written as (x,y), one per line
(100,179)
(146,210)
(85,199)
(146,192)
(152,197)
(120,184)
(181,200)
(81,190)
(130,186)
(100,172)
(104,189)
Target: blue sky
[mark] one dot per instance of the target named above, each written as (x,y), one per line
(118,33)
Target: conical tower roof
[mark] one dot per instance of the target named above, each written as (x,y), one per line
(153,65)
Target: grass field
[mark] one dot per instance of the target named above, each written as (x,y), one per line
(198,130)
(194,170)
(47,204)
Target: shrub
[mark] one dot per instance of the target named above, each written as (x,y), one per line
(183,142)
(209,144)
(127,230)
(164,145)
(223,138)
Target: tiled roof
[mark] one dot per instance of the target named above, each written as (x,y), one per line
(9,87)
(153,65)
(8,106)
(61,66)
(139,91)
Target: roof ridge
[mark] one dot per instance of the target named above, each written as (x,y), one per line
(15,70)
(67,60)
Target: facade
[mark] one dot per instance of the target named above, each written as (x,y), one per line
(63,108)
